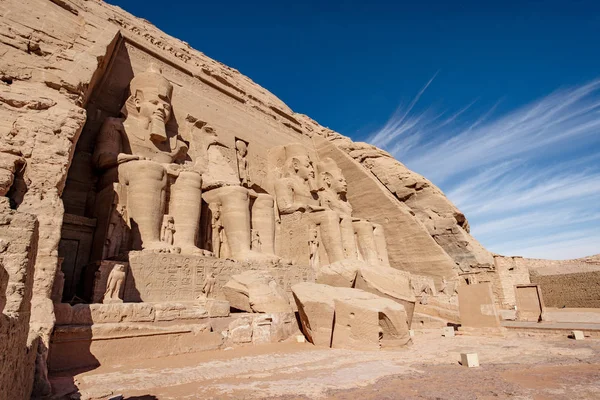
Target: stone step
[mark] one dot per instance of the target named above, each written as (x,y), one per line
(450,315)
(424,321)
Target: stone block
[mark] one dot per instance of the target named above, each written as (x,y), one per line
(476,304)
(256,291)
(141,312)
(88,314)
(388,282)
(217,308)
(283,325)
(362,320)
(508,315)
(470,360)
(578,335)
(240,330)
(316,309)
(339,274)
(81,315)
(369,324)
(178,311)
(261,329)
(448,331)
(63,313)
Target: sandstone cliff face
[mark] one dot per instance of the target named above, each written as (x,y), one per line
(18,349)
(49,55)
(442,220)
(52,57)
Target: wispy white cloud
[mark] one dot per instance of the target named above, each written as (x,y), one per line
(526,179)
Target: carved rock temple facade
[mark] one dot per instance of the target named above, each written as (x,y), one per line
(156,201)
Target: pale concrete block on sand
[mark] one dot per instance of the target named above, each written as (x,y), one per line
(577,335)
(470,360)
(448,331)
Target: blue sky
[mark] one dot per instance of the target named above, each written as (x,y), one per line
(497,104)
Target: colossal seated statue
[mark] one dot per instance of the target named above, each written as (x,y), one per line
(235,217)
(369,237)
(138,152)
(297,191)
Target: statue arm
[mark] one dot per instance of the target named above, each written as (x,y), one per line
(181,149)
(285,198)
(108,151)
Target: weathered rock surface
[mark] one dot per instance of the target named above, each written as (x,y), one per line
(426,202)
(365,317)
(53,55)
(340,273)
(49,55)
(256,291)
(18,351)
(377,279)
(369,324)
(388,283)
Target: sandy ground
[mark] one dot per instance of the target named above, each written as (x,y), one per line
(513,367)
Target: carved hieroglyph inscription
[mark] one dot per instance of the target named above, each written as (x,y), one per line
(175,277)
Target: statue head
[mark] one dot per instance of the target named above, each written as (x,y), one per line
(119,267)
(299,164)
(241,147)
(151,100)
(331,177)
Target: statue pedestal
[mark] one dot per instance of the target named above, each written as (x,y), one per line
(88,335)
(176,277)
(112,301)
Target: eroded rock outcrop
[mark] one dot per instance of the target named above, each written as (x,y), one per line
(442,220)
(69,100)
(380,280)
(18,349)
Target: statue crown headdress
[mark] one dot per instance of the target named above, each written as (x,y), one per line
(295,150)
(327,165)
(152,78)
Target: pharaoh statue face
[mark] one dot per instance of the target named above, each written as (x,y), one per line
(338,182)
(151,95)
(332,177)
(303,168)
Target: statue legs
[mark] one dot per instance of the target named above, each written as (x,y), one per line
(331,235)
(381,244)
(348,239)
(145,182)
(185,207)
(366,241)
(263,220)
(235,213)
